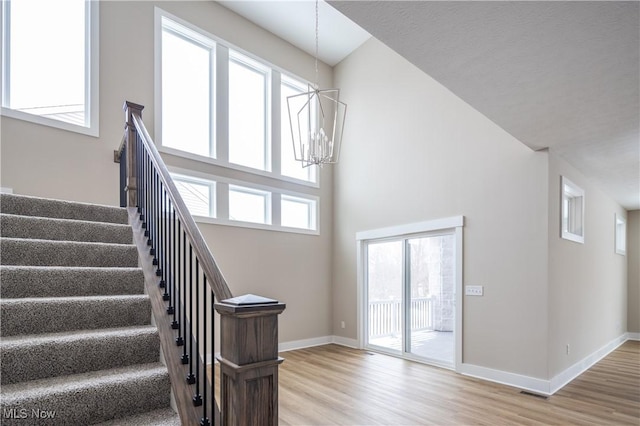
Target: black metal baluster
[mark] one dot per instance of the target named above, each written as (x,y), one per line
(197,398)
(180,286)
(172,270)
(185,334)
(191,379)
(205,420)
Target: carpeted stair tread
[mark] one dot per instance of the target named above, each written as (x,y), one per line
(91,398)
(19,251)
(15,226)
(59,314)
(44,207)
(33,357)
(162,417)
(57,281)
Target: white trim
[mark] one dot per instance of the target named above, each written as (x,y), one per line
(220,122)
(532,384)
(304,343)
(411,228)
(206,178)
(91,75)
(620,237)
(345,341)
(633,336)
(317,341)
(446,226)
(560,380)
(572,191)
(4,190)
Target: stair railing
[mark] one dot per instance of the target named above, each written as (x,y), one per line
(190,283)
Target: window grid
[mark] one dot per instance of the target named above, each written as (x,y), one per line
(260,157)
(299,213)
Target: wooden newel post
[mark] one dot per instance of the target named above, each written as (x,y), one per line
(249,360)
(131,109)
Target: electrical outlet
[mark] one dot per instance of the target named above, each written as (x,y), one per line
(342,324)
(473,290)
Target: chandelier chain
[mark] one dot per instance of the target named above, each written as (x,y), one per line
(317,32)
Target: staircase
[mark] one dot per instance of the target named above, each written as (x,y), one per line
(77,345)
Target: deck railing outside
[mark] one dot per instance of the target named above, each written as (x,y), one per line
(385,316)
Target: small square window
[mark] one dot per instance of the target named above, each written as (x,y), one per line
(298,212)
(198,196)
(621,235)
(572,211)
(249,205)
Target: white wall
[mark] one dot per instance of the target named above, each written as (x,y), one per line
(41,161)
(633,271)
(413,151)
(587,282)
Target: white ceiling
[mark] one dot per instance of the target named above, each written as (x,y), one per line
(294,21)
(562,75)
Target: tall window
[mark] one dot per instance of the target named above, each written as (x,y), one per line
(248,112)
(288,165)
(218,103)
(49,63)
(187,90)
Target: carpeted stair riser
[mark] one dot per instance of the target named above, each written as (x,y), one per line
(56,281)
(42,207)
(55,315)
(90,398)
(16,251)
(165,417)
(14,226)
(27,358)
(75,330)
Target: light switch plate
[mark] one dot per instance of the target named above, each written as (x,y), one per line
(473,290)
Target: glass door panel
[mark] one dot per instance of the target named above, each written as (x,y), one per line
(430,292)
(385,271)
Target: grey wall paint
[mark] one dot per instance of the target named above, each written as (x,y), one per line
(412,152)
(587,282)
(633,271)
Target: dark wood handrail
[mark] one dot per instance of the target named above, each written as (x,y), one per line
(248,326)
(207,262)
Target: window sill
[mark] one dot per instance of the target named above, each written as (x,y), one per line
(48,122)
(250,225)
(208,160)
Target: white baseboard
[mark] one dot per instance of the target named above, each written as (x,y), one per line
(532,384)
(317,341)
(633,336)
(304,343)
(4,190)
(345,341)
(559,381)
(541,386)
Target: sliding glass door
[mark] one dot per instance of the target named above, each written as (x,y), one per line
(410,293)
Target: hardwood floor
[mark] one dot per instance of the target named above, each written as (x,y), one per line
(334,385)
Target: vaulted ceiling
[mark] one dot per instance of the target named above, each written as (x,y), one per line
(563,75)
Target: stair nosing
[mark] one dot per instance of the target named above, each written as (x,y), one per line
(58,242)
(65,220)
(67,336)
(72,298)
(27,389)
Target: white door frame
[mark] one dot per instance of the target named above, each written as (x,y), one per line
(454,224)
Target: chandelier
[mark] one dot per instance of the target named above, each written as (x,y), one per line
(316,118)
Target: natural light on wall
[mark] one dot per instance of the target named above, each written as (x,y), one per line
(47,66)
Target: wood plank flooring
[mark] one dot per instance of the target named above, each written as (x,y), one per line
(334,385)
